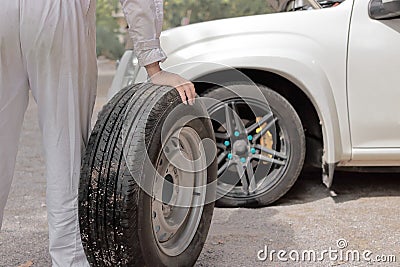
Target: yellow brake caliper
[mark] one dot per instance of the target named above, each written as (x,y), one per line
(265,140)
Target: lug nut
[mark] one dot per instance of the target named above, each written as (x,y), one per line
(227,143)
(230,156)
(236,133)
(253,150)
(249,137)
(243,160)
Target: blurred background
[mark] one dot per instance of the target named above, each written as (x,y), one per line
(112,39)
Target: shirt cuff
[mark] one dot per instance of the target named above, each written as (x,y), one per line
(146,57)
(149,52)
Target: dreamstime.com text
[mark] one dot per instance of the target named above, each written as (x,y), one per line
(339,253)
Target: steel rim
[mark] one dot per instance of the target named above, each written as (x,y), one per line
(179,195)
(240,151)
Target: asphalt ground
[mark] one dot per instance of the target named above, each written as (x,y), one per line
(362,218)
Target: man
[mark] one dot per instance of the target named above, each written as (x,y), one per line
(48,46)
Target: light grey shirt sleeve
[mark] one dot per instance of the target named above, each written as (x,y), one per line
(145,18)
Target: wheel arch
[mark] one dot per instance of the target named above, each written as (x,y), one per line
(319,118)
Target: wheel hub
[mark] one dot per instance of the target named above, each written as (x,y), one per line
(246,145)
(170,191)
(240,148)
(170,214)
(179,195)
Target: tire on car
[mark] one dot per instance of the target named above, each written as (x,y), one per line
(130,197)
(271,145)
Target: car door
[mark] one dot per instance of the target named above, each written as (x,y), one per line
(373,81)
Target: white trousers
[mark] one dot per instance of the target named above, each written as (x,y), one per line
(48,47)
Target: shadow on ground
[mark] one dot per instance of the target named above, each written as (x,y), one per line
(347,186)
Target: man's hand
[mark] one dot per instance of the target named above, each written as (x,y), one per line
(185,88)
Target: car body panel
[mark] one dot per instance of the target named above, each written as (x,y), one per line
(374,81)
(311,49)
(374,157)
(292,45)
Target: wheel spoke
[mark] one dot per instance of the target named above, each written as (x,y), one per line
(222,169)
(268,159)
(238,122)
(264,130)
(243,178)
(251,177)
(229,119)
(271,152)
(221,157)
(255,125)
(223,136)
(221,146)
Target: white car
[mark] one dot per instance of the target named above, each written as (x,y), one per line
(332,80)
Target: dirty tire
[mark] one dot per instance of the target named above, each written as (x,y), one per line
(115,212)
(289,131)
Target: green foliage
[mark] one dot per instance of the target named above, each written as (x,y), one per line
(174,11)
(205,10)
(107,30)
(104,11)
(107,44)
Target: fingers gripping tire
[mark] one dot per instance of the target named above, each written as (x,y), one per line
(122,220)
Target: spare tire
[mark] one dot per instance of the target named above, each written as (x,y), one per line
(137,206)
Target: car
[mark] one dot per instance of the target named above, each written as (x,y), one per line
(331,80)
(296,5)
